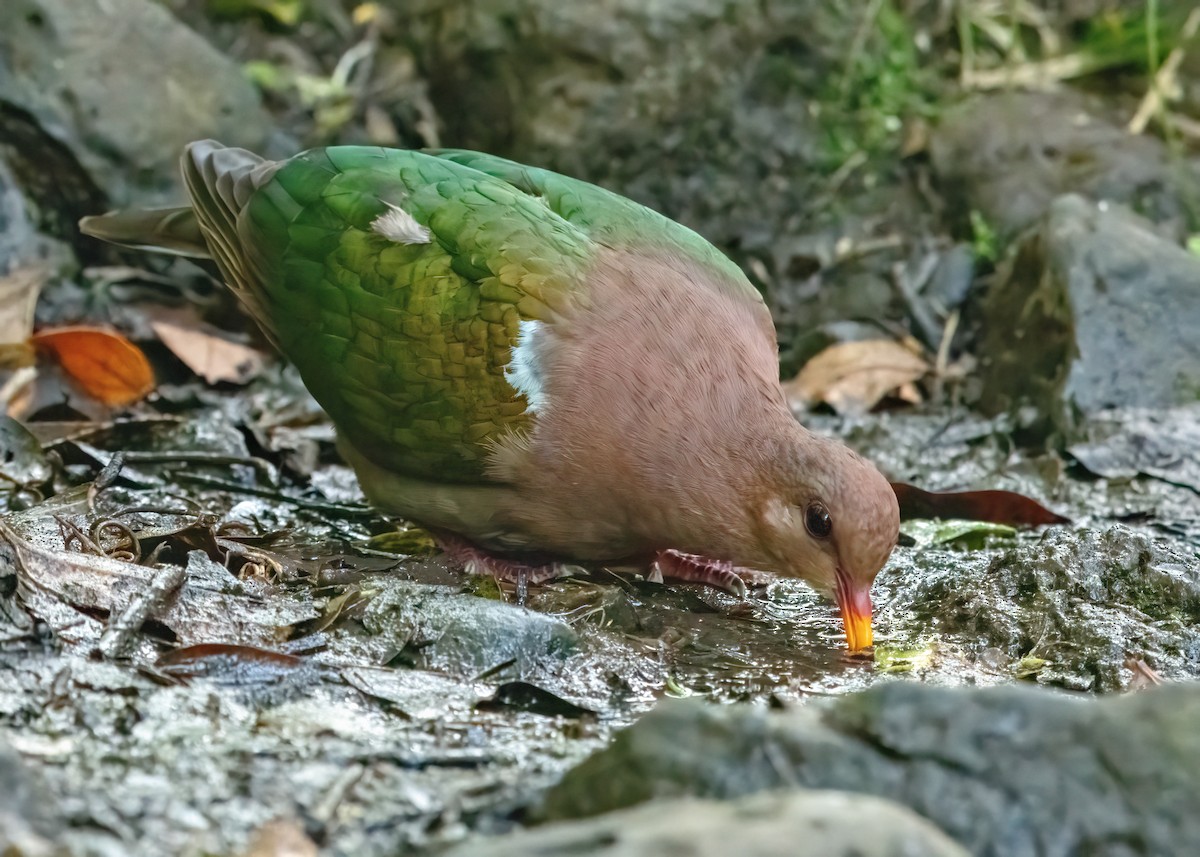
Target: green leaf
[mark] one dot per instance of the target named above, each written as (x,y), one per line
(672,687)
(411,541)
(267,75)
(891,660)
(971,535)
(984,240)
(285,12)
(1029,667)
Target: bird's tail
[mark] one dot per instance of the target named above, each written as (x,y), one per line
(220,181)
(166,230)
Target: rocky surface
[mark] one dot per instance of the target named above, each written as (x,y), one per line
(124,85)
(1126,443)
(1004,771)
(1096,310)
(25,829)
(1009,155)
(441,629)
(1073,609)
(788,824)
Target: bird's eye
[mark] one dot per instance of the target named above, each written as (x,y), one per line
(817,520)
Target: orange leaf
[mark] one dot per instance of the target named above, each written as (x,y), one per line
(107,366)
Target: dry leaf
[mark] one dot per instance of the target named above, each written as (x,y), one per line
(66,589)
(208,659)
(107,366)
(851,377)
(281,838)
(999,507)
(1144,675)
(208,354)
(18,295)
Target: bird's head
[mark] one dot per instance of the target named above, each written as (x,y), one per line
(831,518)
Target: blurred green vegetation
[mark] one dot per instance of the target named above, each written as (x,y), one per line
(907,58)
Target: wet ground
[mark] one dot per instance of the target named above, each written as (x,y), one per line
(203,629)
(300,662)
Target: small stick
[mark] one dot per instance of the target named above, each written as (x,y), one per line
(115,642)
(1152,101)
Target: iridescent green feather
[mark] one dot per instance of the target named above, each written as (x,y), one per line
(609,218)
(405,344)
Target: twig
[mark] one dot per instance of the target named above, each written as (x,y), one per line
(1164,78)
(17,382)
(1186,126)
(1037,74)
(918,310)
(72,535)
(105,478)
(339,509)
(117,637)
(943,353)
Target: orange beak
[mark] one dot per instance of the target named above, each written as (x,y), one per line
(855,605)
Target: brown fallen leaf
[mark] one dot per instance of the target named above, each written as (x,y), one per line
(209,354)
(852,377)
(206,659)
(19,292)
(1144,675)
(281,838)
(997,507)
(105,365)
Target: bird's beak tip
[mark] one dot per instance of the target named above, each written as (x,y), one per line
(855,605)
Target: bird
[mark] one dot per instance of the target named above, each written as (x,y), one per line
(537,370)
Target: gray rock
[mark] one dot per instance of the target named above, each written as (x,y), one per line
(1008,155)
(789,824)
(1094,311)
(1164,444)
(124,85)
(23,244)
(439,628)
(24,829)
(1071,610)
(1007,772)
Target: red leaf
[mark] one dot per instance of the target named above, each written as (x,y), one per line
(107,366)
(998,507)
(213,659)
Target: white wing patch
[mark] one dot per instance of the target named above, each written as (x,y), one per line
(398,225)
(524,371)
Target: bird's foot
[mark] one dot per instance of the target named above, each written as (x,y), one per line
(717,573)
(475,560)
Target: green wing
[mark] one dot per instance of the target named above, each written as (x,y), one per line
(610,218)
(403,344)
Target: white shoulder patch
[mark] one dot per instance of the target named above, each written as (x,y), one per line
(398,225)
(524,371)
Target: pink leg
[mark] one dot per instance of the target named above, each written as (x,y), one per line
(475,560)
(717,573)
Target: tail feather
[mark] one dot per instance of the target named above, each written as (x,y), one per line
(220,181)
(167,230)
